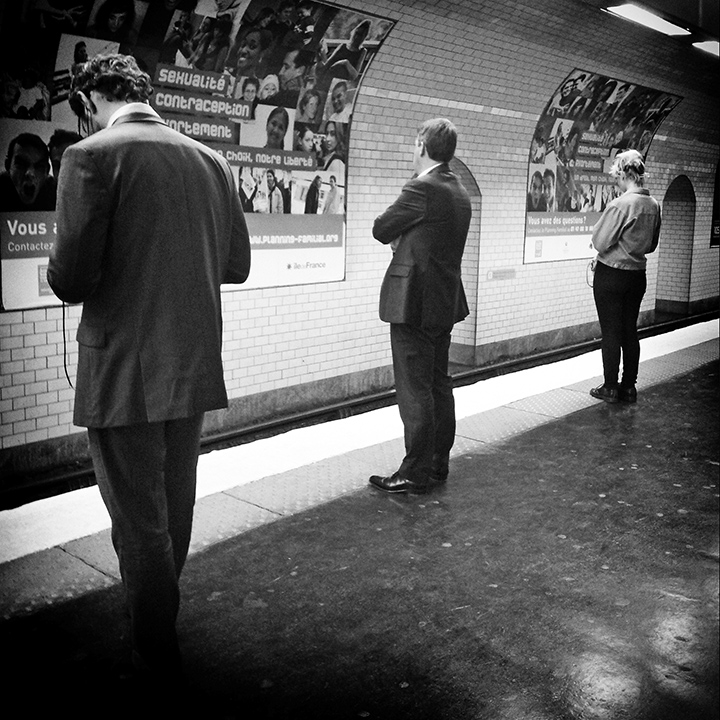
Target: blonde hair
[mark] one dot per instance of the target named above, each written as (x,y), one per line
(630,163)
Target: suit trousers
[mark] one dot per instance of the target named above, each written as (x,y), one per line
(146,474)
(618,295)
(425,399)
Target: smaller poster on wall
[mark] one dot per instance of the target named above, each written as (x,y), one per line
(26,239)
(33,152)
(589,119)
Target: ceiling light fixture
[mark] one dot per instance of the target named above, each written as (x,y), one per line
(710,46)
(646,18)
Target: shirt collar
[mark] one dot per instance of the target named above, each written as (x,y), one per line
(427,170)
(130,108)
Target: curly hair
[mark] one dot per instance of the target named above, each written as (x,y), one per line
(116,77)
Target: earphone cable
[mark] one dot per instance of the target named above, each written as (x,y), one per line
(65,361)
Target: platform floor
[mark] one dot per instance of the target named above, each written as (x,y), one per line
(568,570)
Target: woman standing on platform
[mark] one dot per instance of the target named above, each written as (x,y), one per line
(628,229)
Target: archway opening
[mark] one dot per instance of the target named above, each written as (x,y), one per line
(464,337)
(672,298)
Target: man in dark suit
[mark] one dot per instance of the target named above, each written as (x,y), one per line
(149,226)
(422,297)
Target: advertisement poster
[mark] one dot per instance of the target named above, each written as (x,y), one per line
(587,122)
(268,84)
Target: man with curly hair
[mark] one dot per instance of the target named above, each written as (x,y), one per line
(149,224)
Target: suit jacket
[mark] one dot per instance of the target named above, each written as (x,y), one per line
(430,221)
(149,226)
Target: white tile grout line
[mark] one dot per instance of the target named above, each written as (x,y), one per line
(46,523)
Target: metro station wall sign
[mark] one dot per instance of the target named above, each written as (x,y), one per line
(589,119)
(268,84)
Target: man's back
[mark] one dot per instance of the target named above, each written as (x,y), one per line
(423,285)
(149,225)
(442,233)
(153,221)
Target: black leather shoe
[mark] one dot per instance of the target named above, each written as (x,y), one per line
(627,394)
(392,484)
(603,392)
(396,484)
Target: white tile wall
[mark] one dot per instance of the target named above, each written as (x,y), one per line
(490,67)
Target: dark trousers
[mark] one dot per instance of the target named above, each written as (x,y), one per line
(618,294)
(146,474)
(425,399)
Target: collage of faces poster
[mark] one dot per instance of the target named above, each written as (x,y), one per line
(268,84)
(587,122)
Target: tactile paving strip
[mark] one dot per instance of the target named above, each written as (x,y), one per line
(468,446)
(320,482)
(97,551)
(666,367)
(222,516)
(555,403)
(45,578)
(499,424)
